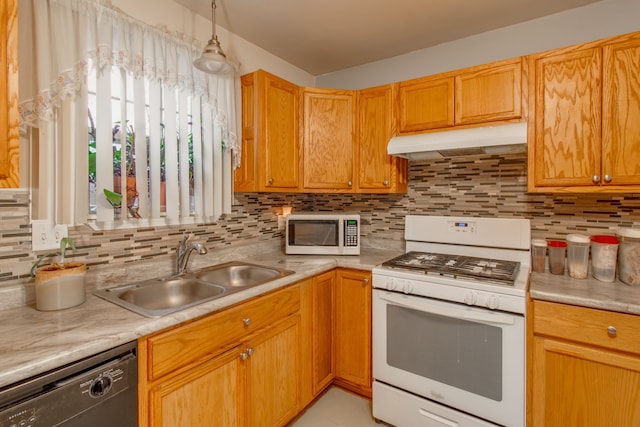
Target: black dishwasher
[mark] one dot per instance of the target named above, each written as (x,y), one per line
(99,391)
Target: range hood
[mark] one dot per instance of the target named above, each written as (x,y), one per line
(501,139)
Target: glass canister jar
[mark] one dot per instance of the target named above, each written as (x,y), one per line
(538,254)
(629,255)
(557,250)
(604,251)
(578,255)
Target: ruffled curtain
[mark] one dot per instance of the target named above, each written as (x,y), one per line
(60,38)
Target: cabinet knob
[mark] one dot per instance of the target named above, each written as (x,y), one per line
(246,321)
(608,178)
(612,331)
(595,179)
(365,281)
(270,180)
(250,351)
(385,182)
(349,183)
(244,355)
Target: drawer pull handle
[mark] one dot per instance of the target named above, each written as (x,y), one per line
(246,354)
(612,331)
(246,321)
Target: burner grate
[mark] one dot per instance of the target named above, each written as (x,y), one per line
(490,270)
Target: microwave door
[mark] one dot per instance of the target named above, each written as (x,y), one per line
(316,233)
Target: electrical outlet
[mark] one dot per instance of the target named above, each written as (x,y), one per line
(47,236)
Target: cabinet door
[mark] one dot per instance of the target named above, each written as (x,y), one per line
(489,93)
(566,145)
(278,118)
(329,136)
(322,331)
(209,395)
(353,330)
(576,385)
(9,139)
(273,375)
(378,171)
(426,103)
(245,177)
(270,147)
(621,114)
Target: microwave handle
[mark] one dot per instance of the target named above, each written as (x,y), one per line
(424,306)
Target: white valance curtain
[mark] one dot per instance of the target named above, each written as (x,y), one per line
(60,39)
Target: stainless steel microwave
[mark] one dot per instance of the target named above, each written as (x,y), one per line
(323,234)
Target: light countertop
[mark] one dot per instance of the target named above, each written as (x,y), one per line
(34,341)
(592,293)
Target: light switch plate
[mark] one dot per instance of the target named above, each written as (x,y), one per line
(47,236)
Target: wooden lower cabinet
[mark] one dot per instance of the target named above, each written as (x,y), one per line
(353,330)
(261,362)
(208,395)
(272,369)
(322,331)
(583,374)
(250,378)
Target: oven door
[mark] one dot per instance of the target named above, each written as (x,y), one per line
(468,358)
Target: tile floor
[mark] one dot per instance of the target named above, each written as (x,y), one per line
(338,408)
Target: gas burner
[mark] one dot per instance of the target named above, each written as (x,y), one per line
(457,266)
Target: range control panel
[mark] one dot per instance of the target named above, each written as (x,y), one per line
(462,227)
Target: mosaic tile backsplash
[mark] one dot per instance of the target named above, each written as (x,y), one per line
(482,185)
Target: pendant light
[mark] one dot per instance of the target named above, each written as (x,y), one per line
(213,60)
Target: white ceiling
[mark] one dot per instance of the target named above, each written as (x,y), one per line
(323,36)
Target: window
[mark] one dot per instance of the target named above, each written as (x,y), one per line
(155,147)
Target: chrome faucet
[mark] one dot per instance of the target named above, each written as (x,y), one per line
(183,251)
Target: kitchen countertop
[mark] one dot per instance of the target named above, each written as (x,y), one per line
(34,341)
(592,293)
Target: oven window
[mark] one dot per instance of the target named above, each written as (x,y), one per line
(313,233)
(460,353)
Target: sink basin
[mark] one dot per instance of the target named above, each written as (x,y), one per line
(159,297)
(170,293)
(237,274)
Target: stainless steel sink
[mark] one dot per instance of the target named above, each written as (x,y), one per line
(159,297)
(237,274)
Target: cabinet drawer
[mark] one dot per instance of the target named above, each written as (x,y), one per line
(587,325)
(171,350)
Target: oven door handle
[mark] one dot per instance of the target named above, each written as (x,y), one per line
(478,316)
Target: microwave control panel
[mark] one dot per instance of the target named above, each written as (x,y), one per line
(351,232)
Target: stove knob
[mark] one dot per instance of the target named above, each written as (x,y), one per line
(493,302)
(407,288)
(392,285)
(470,298)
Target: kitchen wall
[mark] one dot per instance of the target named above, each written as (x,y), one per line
(474,185)
(480,185)
(595,21)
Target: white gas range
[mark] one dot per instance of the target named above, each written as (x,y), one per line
(448,324)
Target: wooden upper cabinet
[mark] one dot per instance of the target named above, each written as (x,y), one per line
(482,94)
(378,172)
(584,135)
(9,137)
(270,149)
(489,92)
(426,103)
(621,113)
(566,143)
(328,140)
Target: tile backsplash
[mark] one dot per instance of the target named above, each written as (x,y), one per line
(482,185)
